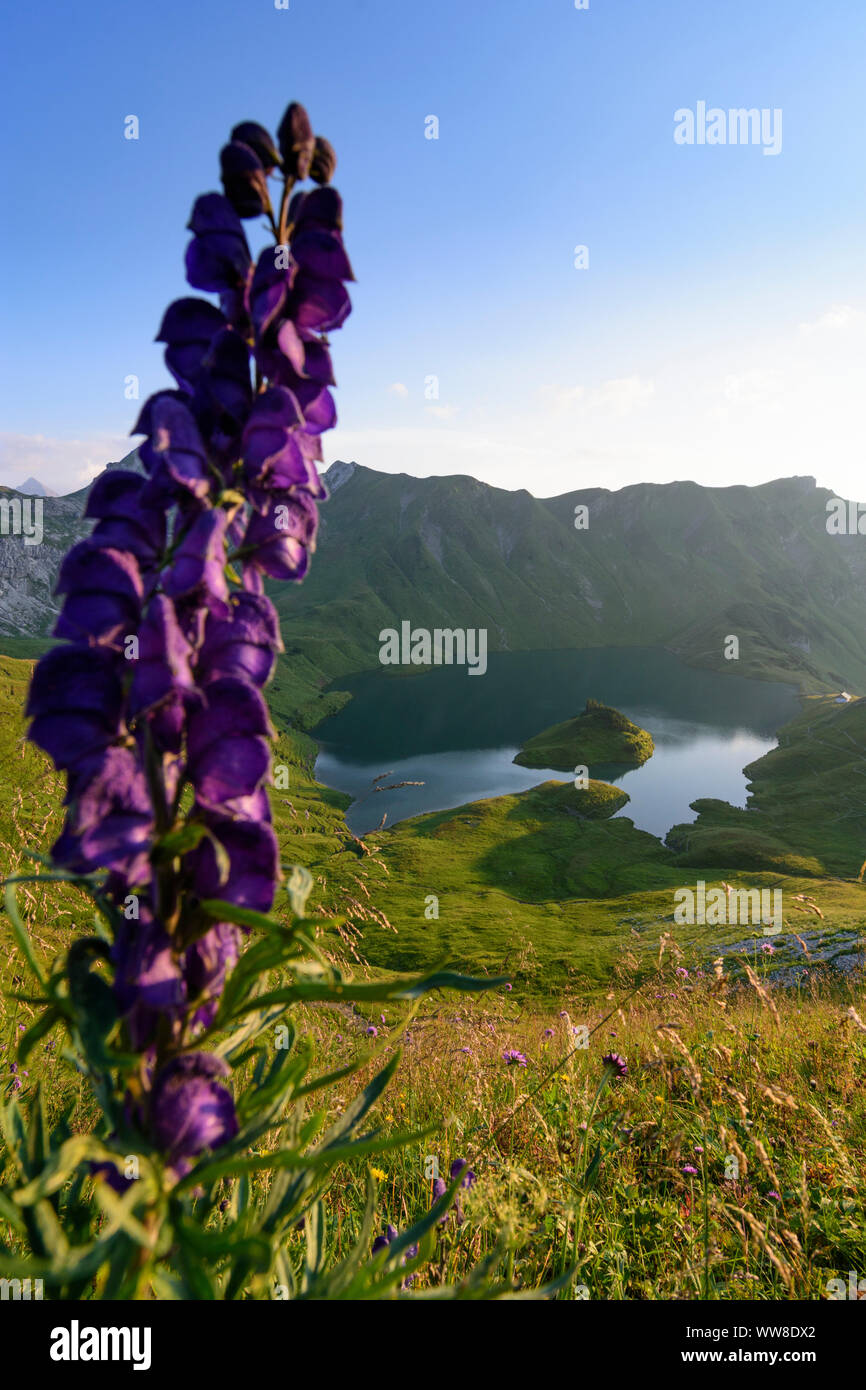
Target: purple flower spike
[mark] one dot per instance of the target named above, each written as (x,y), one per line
(152,703)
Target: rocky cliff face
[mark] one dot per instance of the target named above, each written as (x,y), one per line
(28,573)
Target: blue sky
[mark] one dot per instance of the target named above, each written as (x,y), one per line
(719,332)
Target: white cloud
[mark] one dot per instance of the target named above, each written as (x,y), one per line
(441,412)
(838,316)
(618,396)
(759,385)
(624,395)
(397,388)
(786,402)
(64,465)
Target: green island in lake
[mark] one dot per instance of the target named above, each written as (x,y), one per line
(598,735)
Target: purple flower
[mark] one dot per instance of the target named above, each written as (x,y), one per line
(75,701)
(125,520)
(206,966)
(259,141)
(274,460)
(227,742)
(690,1169)
(199,563)
(324,161)
(218,257)
(104,593)
(372,1031)
(280,538)
(513,1058)
(149,981)
(190,1109)
(162,674)
(244,644)
(253,856)
(174,453)
(187,329)
(616,1063)
(459,1165)
(110,820)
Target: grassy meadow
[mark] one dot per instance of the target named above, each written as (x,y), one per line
(728,1162)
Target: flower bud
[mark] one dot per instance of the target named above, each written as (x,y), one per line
(260,141)
(244,179)
(296,141)
(324,161)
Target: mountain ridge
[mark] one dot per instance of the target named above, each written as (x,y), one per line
(674,564)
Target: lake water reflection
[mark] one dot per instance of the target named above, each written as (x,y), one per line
(458,734)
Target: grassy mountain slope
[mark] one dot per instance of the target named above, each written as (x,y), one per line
(677,565)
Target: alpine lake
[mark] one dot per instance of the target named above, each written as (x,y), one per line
(458,735)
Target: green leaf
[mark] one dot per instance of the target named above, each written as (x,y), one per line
(119,1210)
(381,990)
(241,916)
(22,936)
(40,1029)
(314,1227)
(180,841)
(299,888)
(81,1148)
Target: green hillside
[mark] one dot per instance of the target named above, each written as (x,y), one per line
(807,804)
(550,885)
(675,565)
